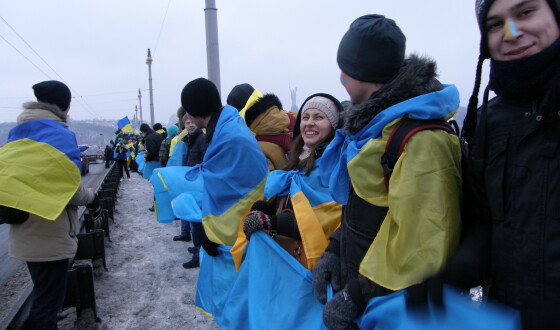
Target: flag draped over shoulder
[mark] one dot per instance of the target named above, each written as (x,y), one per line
(125,125)
(234,171)
(169,183)
(39,168)
(317,214)
(460,312)
(272,290)
(139,159)
(177,154)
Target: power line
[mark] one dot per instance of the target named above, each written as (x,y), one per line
(162,23)
(17,50)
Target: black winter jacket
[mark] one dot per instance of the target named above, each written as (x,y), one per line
(197,147)
(514,202)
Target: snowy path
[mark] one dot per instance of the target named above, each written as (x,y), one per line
(146,287)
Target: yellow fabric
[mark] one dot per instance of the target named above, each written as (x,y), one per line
(252,99)
(422,226)
(313,236)
(37,178)
(177,139)
(223,229)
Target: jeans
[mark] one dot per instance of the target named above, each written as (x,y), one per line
(123,168)
(185,228)
(49,289)
(197,234)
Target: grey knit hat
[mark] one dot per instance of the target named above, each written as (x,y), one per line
(326,106)
(372,50)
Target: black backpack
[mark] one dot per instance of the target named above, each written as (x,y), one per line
(404,131)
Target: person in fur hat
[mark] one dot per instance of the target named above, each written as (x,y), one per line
(391,235)
(512,200)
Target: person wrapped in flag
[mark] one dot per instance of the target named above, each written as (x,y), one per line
(298,205)
(40,176)
(391,235)
(234,173)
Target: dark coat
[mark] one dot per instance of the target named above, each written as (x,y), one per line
(152,143)
(197,147)
(514,202)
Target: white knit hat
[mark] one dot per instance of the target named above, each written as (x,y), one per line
(326,106)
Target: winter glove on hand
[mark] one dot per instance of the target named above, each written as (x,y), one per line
(256,220)
(340,312)
(210,247)
(417,295)
(94,207)
(326,271)
(264,207)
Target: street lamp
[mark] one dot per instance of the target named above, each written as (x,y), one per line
(149,62)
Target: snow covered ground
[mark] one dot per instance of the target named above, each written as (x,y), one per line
(146,286)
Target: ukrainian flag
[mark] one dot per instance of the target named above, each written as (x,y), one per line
(125,125)
(401,255)
(39,168)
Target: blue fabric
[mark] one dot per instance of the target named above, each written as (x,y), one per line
(345,147)
(172,189)
(51,132)
(214,281)
(179,151)
(229,171)
(389,312)
(271,291)
(149,168)
(139,159)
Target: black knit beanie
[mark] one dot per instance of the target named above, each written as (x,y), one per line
(53,92)
(239,95)
(372,50)
(200,98)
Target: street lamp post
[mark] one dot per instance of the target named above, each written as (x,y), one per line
(149,62)
(212,45)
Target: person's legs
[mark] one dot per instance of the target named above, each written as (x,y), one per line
(185,232)
(47,297)
(197,234)
(126,169)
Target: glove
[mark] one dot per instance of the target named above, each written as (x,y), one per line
(340,312)
(264,207)
(417,295)
(210,247)
(12,216)
(95,206)
(327,271)
(256,220)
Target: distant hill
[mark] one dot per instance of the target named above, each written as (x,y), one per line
(89,132)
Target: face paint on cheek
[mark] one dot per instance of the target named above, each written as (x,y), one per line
(510,30)
(343,81)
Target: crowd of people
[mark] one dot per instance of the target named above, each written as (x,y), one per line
(362,217)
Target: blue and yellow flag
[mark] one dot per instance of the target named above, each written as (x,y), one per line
(125,125)
(272,290)
(179,151)
(40,168)
(234,171)
(317,214)
(416,237)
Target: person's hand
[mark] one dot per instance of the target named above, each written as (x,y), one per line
(264,207)
(340,312)
(256,220)
(210,247)
(417,295)
(326,271)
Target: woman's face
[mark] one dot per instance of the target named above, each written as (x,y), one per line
(314,126)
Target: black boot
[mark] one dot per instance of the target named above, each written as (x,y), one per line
(194,263)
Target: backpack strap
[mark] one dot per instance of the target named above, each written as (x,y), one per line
(400,136)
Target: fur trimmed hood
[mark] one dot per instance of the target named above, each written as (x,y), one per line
(418,76)
(261,105)
(41,110)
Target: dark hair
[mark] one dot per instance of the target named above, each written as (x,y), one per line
(294,163)
(145,128)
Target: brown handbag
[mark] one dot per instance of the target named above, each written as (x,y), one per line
(292,245)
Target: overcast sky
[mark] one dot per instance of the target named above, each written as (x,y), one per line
(99,48)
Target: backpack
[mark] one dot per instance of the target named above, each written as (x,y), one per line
(402,133)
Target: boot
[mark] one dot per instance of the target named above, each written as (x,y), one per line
(193,263)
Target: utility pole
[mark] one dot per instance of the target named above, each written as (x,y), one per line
(149,62)
(135,116)
(212,45)
(140,103)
